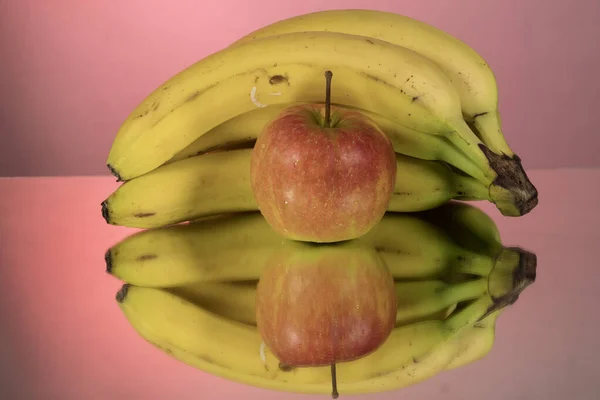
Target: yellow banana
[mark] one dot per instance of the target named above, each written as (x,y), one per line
(201,186)
(369,74)
(422,300)
(475,343)
(243,130)
(416,300)
(219,182)
(234,351)
(469,72)
(231,300)
(237,248)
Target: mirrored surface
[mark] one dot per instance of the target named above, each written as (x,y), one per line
(184,326)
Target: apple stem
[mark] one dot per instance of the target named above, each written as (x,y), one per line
(334,391)
(328,76)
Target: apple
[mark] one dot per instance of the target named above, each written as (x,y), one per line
(321,173)
(322,304)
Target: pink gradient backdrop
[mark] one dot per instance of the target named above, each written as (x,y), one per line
(72,70)
(64,338)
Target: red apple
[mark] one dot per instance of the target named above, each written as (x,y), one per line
(319,305)
(322,182)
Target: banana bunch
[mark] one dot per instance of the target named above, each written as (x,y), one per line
(454,237)
(190,288)
(433,95)
(219,182)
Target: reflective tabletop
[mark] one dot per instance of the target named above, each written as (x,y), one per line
(66,335)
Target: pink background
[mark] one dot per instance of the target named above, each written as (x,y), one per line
(72,70)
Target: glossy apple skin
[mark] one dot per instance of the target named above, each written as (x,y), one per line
(321,184)
(319,306)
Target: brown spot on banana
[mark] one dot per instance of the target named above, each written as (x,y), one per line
(153,107)
(285,368)
(277,79)
(144,215)
(189,99)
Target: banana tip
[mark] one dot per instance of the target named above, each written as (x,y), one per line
(523,276)
(122,293)
(105,212)
(529,204)
(114,172)
(526,273)
(108,260)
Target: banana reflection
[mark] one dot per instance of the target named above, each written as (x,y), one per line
(191,291)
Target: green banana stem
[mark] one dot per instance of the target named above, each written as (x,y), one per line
(487,127)
(458,292)
(471,189)
(469,315)
(463,162)
(467,262)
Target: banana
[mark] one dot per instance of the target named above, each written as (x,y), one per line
(231,300)
(201,186)
(369,74)
(219,182)
(434,299)
(244,129)
(469,73)
(234,350)
(475,343)
(416,300)
(237,248)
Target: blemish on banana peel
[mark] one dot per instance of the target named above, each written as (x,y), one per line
(144,215)
(277,79)
(415,98)
(382,249)
(193,96)
(190,98)
(165,349)
(379,80)
(479,114)
(285,368)
(146,257)
(153,107)
(369,41)
(254,99)
(207,359)
(380,374)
